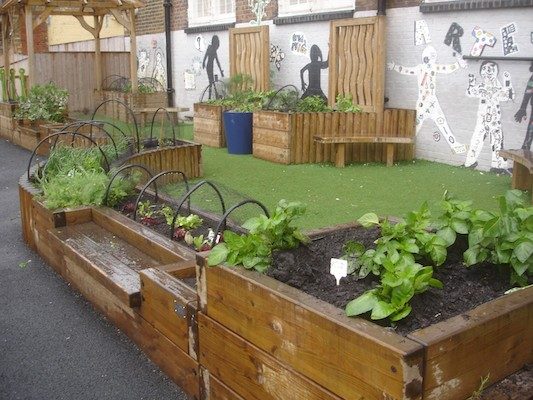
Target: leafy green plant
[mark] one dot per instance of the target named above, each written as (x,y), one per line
(345,104)
(455,219)
(504,237)
(313,104)
(44,102)
(399,283)
(122,188)
(395,260)
(254,249)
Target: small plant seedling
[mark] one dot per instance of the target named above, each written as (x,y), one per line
(147,211)
(476,395)
(24,264)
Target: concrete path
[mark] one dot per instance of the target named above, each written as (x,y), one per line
(53,344)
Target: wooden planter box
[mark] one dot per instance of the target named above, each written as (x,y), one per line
(7,123)
(133,101)
(208,125)
(154,306)
(263,339)
(185,157)
(288,138)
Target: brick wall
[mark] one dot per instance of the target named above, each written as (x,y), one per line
(366,5)
(40,37)
(178,16)
(150,19)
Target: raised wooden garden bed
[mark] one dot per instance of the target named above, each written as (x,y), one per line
(208,125)
(184,156)
(288,138)
(135,277)
(260,337)
(7,122)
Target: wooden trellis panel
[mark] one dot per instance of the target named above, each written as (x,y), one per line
(357,61)
(249,54)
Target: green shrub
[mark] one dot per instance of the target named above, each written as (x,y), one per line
(45,102)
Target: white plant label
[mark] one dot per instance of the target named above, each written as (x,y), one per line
(339,269)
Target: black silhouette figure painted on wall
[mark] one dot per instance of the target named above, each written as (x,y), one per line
(521,114)
(313,68)
(210,57)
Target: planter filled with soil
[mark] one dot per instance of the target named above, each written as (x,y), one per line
(300,333)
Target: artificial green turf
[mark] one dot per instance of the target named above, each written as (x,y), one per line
(335,195)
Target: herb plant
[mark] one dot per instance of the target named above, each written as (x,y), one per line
(345,104)
(313,104)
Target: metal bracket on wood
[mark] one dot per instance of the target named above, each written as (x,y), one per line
(180,310)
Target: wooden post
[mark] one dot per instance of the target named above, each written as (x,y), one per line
(5,44)
(97,54)
(28,19)
(133,53)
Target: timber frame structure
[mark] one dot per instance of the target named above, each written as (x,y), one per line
(122,10)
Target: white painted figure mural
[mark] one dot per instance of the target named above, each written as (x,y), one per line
(427,105)
(488,124)
(151,60)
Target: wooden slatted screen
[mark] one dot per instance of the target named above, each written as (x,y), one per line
(250,54)
(357,61)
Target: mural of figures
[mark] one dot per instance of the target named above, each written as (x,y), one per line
(143,61)
(158,72)
(488,124)
(151,59)
(522,112)
(428,106)
(209,60)
(313,88)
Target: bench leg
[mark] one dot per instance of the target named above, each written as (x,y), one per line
(390,154)
(340,155)
(521,178)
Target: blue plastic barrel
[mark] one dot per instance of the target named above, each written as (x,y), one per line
(238,128)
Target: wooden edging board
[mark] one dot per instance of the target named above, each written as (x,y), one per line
(164,325)
(208,125)
(354,358)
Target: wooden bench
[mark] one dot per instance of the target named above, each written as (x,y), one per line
(340,145)
(522,168)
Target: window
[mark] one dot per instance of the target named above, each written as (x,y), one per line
(296,7)
(207,12)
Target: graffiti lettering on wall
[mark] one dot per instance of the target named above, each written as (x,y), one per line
(151,62)
(199,43)
(453,37)
(428,106)
(488,124)
(208,63)
(298,44)
(521,114)
(276,56)
(314,87)
(508,41)
(483,38)
(258,8)
(421,33)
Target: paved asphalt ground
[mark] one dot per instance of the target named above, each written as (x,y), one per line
(53,344)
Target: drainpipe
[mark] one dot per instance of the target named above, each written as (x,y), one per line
(382,5)
(170,89)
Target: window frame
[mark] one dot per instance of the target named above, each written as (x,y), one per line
(318,6)
(216,17)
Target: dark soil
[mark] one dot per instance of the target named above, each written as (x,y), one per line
(307,269)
